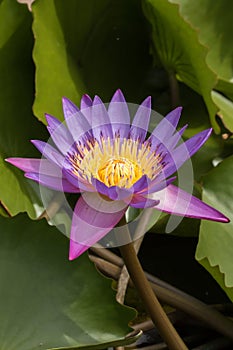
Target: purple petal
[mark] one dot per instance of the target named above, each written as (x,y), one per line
(101,125)
(168,125)
(156,186)
(172,142)
(173,200)
(166,128)
(93,218)
(75,120)
(49,152)
(185,151)
(100,187)
(69,108)
(114,192)
(141,184)
(119,193)
(139,201)
(59,134)
(55,183)
(77,181)
(119,115)
(42,166)
(141,121)
(86,103)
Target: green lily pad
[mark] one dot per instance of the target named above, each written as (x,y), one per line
(88,47)
(218,276)
(49,302)
(180,51)
(214,25)
(56,73)
(216,239)
(225,109)
(17,124)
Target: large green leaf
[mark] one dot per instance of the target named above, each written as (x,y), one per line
(218,276)
(214,25)
(180,51)
(216,239)
(17,124)
(87,46)
(48,302)
(225,109)
(56,73)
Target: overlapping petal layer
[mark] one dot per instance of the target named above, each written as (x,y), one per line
(113,165)
(174,200)
(93,218)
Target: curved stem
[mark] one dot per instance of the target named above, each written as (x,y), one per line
(150,300)
(170,295)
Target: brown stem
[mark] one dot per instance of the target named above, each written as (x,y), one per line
(170,295)
(151,302)
(124,276)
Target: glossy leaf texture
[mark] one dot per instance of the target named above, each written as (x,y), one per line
(225,109)
(216,240)
(214,25)
(56,73)
(193,42)
(48,302)
(17,123)
(87,47)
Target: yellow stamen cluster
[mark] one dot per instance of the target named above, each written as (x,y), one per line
(115,162)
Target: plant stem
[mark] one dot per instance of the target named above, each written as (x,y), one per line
(174,90)
(151,302)
(170,295)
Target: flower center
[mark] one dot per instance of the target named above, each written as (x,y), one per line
(115,162)
(119,172)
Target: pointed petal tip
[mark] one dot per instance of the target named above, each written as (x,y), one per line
(176,201)
(30,176)
(66,100)
(174,116)
(17,162)
(147,102)
(209,131)
(119,91)
(86,101)
(76,249)
(9,160)
(38,144)
(97,100)
(216,216)
(118,96)
(69,107)
(72,256)
(50,119)
(222,218)
(178,109)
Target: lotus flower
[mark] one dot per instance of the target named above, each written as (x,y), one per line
(113,165)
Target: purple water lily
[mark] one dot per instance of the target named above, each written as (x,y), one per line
(113,165)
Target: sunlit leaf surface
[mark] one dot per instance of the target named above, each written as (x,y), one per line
(48,301)
(17,124)
(216,240)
